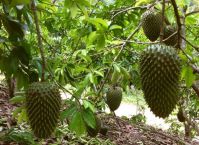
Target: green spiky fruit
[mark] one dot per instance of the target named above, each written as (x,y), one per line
(160,73)
(151,24)
(94,131)
(43,103)
(114,98)
(168,31)
(180,116)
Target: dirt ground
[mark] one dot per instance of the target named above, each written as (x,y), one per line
(119,131)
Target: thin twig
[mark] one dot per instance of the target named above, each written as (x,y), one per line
(191,13)
(155,42)
(195,47)
(73,96)
(116,57)
(123,10)
(39,39)
(128,9)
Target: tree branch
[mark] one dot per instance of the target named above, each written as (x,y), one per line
(178,22)
(195,88)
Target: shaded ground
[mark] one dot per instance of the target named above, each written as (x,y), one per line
(120,131)
(138,134)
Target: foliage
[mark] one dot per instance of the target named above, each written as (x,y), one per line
(83,40)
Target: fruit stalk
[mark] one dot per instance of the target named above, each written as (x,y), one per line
(162,22)
(178,22)
(39,38)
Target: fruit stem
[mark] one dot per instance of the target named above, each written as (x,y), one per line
(39,39)
(162,22)
(117,120)
(175,7)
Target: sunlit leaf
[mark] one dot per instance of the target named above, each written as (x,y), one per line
(187,74)
(17,99)
(100,41)
(68,112)
(88,105)
(89,118)
(77,124)
(115,27)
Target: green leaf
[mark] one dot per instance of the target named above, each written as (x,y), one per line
(183,3)
(81,87)
(116,67)
(113,27)
(92,37)
(18,99)
(115,76)
(67,112)
(142,2)
(125,73)
(100,41)
(17,111)
(83,2)
(89,118)
(100,23)
(17,2)
(77,124)
(91,78)
(88,105)
(14,28)
(20,137)
(12,65)
(191,20)
(22,79)
(74,10)
(187,74)
(99,73)
(22,116)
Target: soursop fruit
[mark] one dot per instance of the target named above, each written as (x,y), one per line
(168,31)
(160,73)
(114,97)
(151,24)
(43,103)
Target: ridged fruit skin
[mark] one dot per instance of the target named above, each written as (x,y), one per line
(94,131)
(151,24)
(114,98)
(168,31)
(180,116)
(43,103)
(160,73)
